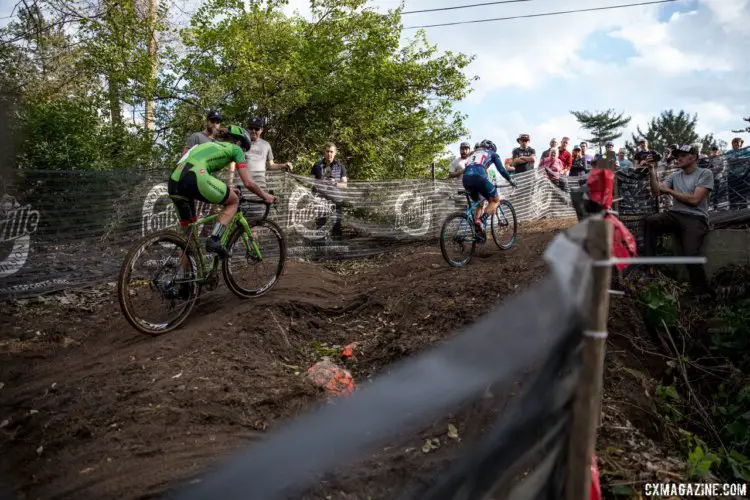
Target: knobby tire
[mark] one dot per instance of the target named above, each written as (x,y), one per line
(232,284)
(511,219)
(462,217)
(123,282)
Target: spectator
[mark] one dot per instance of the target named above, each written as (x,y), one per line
(523,156)
(716,164)
(260,155)
(738,174)
(586,156)
(609,147)
(578,166)
(213,121)
(330,171)
(553,166)
(623,162)
(644,157)
(552,145)
(690,188)
(458,164)
(565,157)
(259,158)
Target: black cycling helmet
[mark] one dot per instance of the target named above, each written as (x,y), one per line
(488,144)
(237,133)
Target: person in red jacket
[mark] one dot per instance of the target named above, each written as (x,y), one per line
(565,157)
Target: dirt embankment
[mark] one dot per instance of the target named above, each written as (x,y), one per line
(91,409)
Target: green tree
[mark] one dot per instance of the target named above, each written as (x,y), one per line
(94,55)
(340,77)
(745,130)
(671,128)
(603,126)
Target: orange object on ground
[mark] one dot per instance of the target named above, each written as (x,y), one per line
(348,351)
(334,379)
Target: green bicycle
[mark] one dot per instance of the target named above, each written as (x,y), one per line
(164,274)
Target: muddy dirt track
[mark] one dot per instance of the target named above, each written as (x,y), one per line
(90,409)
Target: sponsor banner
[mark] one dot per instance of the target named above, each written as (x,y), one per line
(66,229)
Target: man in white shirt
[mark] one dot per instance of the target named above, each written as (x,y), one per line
(260,155)
(458,165)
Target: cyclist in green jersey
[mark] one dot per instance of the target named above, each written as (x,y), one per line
(192,180)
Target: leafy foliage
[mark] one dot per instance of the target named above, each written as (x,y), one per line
(603,126)
(671,128)
(743,130)
(342,77)
(67,134)
(661,305)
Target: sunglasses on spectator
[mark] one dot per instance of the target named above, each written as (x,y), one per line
(255,129)
(330,151)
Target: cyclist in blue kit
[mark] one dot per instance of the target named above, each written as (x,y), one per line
(477,182)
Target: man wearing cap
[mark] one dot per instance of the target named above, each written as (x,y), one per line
(645,158)
(609,146)
(690,188)
(260,155)
(523,156)
(213,121)
(458,164)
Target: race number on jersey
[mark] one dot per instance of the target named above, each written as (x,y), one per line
(478,159)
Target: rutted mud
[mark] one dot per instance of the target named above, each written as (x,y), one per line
(89,408)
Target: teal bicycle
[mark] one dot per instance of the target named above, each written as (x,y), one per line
(459,234)
(164,273)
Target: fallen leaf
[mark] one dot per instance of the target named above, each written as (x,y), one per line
(178,375)
(452,431)
(2,385)
(4,423)
(86,470)
(33,412)
(39,450)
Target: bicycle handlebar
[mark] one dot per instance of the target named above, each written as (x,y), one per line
(258,201)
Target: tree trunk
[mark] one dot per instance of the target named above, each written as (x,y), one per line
(154,65)
(115,108)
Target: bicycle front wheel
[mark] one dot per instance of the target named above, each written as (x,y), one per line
(156,286)
(457,240)
(250,271)
(504,225)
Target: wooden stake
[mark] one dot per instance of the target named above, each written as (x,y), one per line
(586,407)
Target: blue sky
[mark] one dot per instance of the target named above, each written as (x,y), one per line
(688,54)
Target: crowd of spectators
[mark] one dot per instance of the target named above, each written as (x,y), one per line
(692,181)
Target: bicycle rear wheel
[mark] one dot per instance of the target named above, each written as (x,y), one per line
(504,225)
(249,273)
(457,235)
(155,295)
